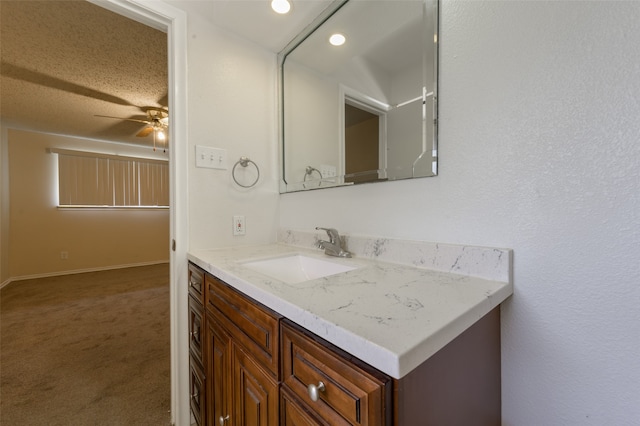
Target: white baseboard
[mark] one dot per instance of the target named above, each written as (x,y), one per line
(80,271)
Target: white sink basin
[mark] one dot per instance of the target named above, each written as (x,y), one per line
(296,268)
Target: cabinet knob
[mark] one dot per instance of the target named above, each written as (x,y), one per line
(314,390)
(222,420)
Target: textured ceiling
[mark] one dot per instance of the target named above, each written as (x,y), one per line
(63,62)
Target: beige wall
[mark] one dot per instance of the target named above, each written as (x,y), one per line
(93,238)
(4,206)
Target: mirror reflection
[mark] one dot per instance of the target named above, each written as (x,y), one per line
(365,110)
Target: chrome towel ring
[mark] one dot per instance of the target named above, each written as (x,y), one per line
(308,172)
(244,162)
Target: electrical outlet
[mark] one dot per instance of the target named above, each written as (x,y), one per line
(238,225)
(64,255)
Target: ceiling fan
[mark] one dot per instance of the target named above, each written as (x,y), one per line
(157,122)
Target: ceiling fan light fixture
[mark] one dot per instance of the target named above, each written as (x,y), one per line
(281,6)
(157,123)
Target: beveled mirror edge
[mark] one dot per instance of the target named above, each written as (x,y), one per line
(282,55)
(436,92)
(284,187)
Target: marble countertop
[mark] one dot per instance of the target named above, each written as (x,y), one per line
(392,316)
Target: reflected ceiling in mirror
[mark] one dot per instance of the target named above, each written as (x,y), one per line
(364,111)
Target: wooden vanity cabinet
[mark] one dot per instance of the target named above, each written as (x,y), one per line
(242,358)
(458,385)
(197,392)
(250,367)
(239,390)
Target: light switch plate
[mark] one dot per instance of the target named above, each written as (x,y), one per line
(327,170)
(211,158)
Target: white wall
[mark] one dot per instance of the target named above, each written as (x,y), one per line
(232,105)
(539,152)
(319,122)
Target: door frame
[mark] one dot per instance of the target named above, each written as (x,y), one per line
(347,95)
(173,21)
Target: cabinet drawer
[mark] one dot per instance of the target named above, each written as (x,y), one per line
(292,413)
(251,325)
(354,394)
(196,329)
(196,283)
(196,391)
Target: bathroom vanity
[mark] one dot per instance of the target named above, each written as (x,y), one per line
(386,342)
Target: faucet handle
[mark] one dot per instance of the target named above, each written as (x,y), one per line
(334,237)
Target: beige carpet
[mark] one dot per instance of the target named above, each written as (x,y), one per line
(86,349)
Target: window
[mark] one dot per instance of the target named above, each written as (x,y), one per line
(98,180)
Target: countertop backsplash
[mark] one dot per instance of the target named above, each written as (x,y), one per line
(482,262)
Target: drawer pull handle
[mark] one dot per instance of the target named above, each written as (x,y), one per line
(223,420)
(314,390)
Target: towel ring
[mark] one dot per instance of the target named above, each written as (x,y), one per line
(244,162)
(308,172)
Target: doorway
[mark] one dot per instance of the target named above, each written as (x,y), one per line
(361,141)
(173,21)
(364,141)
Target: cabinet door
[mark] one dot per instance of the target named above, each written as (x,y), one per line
(218,359)
(255,393)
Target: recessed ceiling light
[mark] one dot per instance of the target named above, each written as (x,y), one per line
(337,39)
(281,6)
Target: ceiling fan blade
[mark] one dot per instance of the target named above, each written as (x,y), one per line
(41,79)
(144,132)
(126,119)
(164,100)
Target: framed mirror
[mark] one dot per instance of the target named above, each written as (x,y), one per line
(364,111)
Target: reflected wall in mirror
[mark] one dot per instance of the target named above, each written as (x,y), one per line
(365,111)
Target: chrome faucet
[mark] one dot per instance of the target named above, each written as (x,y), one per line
(333,247)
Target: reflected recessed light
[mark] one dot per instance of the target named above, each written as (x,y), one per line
(281,6)
(337,39)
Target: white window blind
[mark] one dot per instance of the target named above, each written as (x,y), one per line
(90,179)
